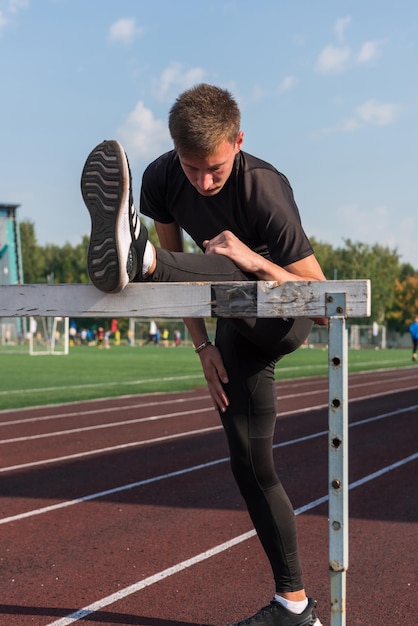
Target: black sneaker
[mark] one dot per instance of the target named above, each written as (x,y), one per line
(276,615)
(118,239)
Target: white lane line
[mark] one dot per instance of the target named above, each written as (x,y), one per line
(71,431)
(122,446)
(165,438)
(141,483)
(109,492)
(203,556)
(168,415)
(113,409)
(99,410)
(147,481)
(138,443)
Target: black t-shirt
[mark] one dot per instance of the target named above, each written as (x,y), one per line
(256,204)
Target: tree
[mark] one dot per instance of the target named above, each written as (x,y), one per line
(32,255)
(405,306)
(358,260)
(382,264)
(67,264)
(406,270)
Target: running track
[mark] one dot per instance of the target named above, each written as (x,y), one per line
(124,511)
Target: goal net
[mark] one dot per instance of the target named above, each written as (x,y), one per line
(48,335)
(368,336)
(167,332)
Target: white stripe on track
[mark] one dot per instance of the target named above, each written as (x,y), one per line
(122,446)
(147,481)
(100,409)
(140,483)
(132,444)
(203,556)
(71,431)
(154,418)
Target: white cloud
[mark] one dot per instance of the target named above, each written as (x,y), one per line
(340,26)
(373,113)
(4,20)
(287,83)
(14,6)
(370,113)
(333,59)
(10,10)
(175,77)
(369,52)
(142,135)
(124,31)
(337,58)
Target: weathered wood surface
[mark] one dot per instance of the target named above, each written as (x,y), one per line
(237,299)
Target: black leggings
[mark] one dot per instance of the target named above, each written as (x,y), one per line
(250,349)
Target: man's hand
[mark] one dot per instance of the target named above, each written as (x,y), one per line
(229,245)
(215,374)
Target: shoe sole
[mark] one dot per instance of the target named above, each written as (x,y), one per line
(105,187)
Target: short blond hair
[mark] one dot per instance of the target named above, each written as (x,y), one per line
(201,118)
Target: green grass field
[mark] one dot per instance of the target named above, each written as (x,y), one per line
(89,373)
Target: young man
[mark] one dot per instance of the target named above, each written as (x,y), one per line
(240,211)
(413,329)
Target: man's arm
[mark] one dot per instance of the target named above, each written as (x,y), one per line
(305,269)
(229,245)
(170,237)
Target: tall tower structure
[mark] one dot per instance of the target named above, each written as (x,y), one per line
(11,271)
(11,268)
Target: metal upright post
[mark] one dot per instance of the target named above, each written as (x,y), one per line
(338,454)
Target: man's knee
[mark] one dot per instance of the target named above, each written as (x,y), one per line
(255,470)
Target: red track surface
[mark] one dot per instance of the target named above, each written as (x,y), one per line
(111,506)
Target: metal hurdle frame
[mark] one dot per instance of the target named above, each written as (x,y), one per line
(335,300)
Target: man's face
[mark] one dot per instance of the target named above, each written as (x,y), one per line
(209,174)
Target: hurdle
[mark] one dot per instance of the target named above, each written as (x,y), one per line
(336,300)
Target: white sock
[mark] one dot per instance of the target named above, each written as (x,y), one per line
(148,258)
(290,605)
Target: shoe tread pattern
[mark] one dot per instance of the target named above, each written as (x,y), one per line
(101,191)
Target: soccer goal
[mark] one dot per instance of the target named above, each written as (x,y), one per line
(160,331)
(368,336)
(48,335)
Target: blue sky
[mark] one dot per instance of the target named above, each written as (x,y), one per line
(327,89)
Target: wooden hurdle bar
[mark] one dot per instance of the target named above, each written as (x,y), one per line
(335,300)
